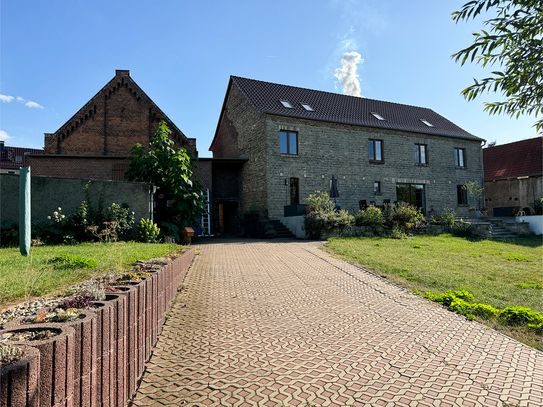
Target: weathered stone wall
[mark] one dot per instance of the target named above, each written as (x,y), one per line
(50,193)
(342,150)
(512,192)
(242,134)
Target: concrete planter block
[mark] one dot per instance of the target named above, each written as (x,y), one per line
(149,315)
(85,358)
(56,363)
(19,382)
(118,363)
(130,291)
(105,340)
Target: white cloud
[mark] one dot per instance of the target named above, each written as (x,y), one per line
(347,75)
(34,104)
(20,99)
(4,136)
(5,98)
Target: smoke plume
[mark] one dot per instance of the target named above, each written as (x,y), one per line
(347,73)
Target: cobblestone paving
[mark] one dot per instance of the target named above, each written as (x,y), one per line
(265,323)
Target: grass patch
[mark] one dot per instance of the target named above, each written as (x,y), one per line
(499,274)
(39,273)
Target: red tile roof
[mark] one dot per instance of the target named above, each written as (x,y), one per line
(8,159)
(518,159)
(334,107)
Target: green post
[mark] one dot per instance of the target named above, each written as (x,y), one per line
(24,211)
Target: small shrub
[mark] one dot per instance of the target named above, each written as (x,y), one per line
(135,276)
(484,311)
(448,216)
(148,231)
(319,202)
(537,206)
(58,315)
(397,233)
(515,316)
(79,302)
(9,234)
(464,229)
(449,296)
(317,222)
(371,216)
(69,261)
(98,293)
(403,213)
(121,217)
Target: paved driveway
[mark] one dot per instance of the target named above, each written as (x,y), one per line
(262,323)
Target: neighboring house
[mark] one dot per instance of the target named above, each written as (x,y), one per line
(513,176)
(96,141)
(295,139)
(13,158)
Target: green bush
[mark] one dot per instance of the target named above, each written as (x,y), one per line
(484,311)
(402,214)
(514,316)
(69,261)
(122,217)
(319,202)
(464,229)
(317,222)
(537,206)
(371,216)
(9,234)
(448,216)
(397,233)
(147,231)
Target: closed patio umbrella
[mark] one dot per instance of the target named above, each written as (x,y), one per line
(334,193)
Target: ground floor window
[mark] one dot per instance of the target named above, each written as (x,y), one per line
(462,195)
(413,194)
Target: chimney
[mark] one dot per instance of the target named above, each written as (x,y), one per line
(121,72)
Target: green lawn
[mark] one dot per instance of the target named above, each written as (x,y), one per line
(18,273)
(488,269)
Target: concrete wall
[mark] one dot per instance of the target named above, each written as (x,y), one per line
(50,193)
(513,192)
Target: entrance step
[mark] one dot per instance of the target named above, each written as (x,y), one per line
(282,230)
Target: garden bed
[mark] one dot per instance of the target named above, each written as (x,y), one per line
(105,351)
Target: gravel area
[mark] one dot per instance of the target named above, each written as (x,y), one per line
(24,310)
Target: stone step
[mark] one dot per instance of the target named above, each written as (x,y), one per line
(280,229)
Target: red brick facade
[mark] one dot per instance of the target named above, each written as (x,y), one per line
(95,142)
(90,167)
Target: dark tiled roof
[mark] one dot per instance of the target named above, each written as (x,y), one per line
(518,159)
(8,159)
(265,97)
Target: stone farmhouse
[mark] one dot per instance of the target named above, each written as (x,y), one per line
(513,176)
(295,140)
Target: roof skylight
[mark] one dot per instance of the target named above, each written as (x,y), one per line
(307,107)
(426,122)
(378,116)
(286,104)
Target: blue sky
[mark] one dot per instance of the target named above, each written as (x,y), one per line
(57,54)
